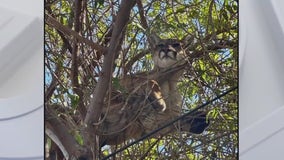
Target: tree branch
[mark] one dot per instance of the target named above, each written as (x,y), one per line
(62,132)
(142,15)
(67,31)
(75,52)
(96,103)
(134,59)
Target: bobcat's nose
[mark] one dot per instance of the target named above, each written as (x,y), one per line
(167,54)
(171,53)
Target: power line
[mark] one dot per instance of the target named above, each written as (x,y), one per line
(170,122)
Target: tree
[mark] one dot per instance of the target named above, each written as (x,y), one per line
(90,44)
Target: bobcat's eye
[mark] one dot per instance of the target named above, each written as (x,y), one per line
(175,45)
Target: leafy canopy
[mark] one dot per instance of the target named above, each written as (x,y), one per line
(73,66)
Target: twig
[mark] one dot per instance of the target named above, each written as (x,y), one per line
(67,31)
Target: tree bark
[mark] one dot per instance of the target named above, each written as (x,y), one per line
(97,102)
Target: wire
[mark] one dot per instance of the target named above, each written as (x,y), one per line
(170,122)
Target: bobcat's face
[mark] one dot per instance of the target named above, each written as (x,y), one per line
(168,52)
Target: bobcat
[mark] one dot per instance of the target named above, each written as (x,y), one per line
(148,101)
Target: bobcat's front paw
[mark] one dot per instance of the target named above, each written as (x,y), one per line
(158,104)
(161,105)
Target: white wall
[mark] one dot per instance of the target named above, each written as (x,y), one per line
(21,79)
(261,77)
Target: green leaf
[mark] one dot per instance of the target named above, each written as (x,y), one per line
(99,3)
(74,100)
(79,138)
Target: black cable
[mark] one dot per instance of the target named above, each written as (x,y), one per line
(170,123)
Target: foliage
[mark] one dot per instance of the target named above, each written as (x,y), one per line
(73,66)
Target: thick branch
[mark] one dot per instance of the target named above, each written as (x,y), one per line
(96,102)
(62,132)
(142,15)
